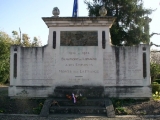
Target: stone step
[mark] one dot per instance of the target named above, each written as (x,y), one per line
(64,97)
(87,91)
(64,92)
(77,110)
(80,87)
(87,102)
(107,109)
(87,99)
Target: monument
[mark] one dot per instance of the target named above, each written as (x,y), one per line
(79,53)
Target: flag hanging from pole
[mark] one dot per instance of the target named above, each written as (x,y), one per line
(75,8)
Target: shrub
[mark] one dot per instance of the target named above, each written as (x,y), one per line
(154,82)
(154,70)
(37,110)
(158,81)
(155,87)
(121,110)
(156,96)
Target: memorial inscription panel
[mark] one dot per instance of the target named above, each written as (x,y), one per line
(127,72)
(79,38)
(25,68)
(79,66)
(36,68)
(109,66)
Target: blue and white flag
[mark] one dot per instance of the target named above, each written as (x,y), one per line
(75,9)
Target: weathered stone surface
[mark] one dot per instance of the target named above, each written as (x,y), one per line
(45,108)
(109,108)
(78,110)
(79,38)
(127,91)
(87,91)
(89,104)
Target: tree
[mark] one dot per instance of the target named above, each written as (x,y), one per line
(26,42)
(155,65)
(5,42)
(36,42)
(16,38)
(132,22)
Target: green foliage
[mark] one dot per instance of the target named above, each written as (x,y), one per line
(155,66)
(36,42)
(121,110)
(154,82)
(37,110)
(131,24)
(26,42)
(156,95)
(16,38)
(158,81)
(5,42)
(154,70)
(1,111)
(120,105)
(155,90)
(121,102)
(155,87)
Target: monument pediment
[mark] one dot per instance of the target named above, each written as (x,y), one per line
(78,21)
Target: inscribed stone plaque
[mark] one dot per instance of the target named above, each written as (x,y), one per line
(79,38)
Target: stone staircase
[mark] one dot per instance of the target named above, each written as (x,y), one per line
(92,102)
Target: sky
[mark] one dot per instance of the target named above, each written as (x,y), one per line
(27,15)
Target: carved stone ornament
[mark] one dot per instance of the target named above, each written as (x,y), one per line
(55,12)
(103,11)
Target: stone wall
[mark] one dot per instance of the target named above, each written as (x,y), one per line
(124,66)
(119,69)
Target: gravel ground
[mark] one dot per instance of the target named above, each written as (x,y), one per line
(64,117)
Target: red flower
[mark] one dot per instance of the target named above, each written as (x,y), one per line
(69,97)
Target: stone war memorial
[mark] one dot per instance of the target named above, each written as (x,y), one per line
(80,59)
(79,53)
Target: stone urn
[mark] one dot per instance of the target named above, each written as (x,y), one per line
(103,11)
(55,12)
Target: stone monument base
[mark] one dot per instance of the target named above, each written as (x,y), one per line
(87,100)
(113,91)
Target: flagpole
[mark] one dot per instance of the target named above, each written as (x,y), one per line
(75,8)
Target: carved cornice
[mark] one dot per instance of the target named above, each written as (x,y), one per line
(79,21)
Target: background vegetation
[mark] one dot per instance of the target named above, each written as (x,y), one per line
(131,26)
(5,42)
(155,73)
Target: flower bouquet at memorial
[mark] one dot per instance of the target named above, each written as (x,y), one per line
(76,98)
